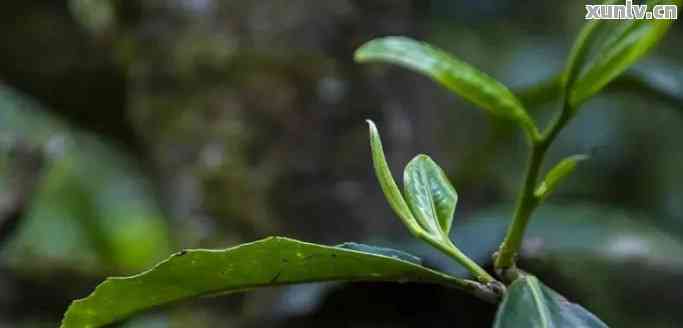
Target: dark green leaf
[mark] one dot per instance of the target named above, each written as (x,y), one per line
(268,262)
(606,48)
(530,304)
(456,75)
(557,174)
(387,183)
(618,246)
(430,195)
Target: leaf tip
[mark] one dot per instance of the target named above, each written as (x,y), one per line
(374,133)
(358,56)
(361,54)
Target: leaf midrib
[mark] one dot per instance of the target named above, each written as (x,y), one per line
(536,296)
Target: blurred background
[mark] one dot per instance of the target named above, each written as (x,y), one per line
(132,129)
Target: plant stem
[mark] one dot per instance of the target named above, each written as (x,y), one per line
(525,206)
(446,245)
(527,201)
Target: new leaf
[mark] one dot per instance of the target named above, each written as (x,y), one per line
(606,48)
(430,195)
(387,183)
(560,171)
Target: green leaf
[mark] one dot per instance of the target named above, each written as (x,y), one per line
(606,48)
(269,262)
(430,195)
(560,171)
(618,246)
(456,75)
(530,304)
(388,252)
(387,183)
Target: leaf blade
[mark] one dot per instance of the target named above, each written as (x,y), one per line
(454,74)
(529,303)
(268,262)
(388,252)
(605,49)
(430,195)
(387,182)
(558,173)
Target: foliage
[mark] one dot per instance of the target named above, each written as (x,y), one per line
(426,206)
(268,262)
(529,303)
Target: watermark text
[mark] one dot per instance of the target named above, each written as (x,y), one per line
(631,11)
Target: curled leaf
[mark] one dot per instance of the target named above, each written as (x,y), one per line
(387,183)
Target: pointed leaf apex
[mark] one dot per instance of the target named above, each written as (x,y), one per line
(558,173)
(387,183)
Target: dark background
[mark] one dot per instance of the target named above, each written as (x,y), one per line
(131,129)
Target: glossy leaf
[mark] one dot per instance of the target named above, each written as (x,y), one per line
(456,75)
(388,252)
(387,182)
(606,48)
(430,195)
(269,262)
(560,171)
(530,304)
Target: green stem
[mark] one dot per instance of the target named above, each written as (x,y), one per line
(446,245)
(525,206)
(527,201)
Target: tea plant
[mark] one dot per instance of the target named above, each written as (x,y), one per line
(426,206)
